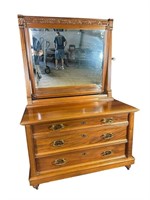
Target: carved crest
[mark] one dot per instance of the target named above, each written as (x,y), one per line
(56,20)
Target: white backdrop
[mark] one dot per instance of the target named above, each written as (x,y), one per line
(130,84)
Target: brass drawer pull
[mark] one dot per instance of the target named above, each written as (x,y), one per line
(106,153)
(55,127)
(107,120)
(107,136)
(58,143)
(60,161)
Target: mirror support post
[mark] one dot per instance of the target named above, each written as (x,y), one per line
(25,60)
(110,28)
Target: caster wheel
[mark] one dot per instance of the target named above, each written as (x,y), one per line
(47,70)
(128,167)
(36,187)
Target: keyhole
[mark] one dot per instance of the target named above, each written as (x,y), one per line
(84,135)
(84,154)
(83,122)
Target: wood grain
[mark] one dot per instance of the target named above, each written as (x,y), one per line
(67,112)
(81,169)
(78,138)
(77,157)
(31,150)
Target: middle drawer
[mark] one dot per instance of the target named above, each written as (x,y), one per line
(48,142)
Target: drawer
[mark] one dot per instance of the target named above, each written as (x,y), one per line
(54,142)
(80,157)
(80,123)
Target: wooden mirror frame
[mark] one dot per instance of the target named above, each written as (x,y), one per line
(33,93)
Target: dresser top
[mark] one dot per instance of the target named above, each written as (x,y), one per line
(40,114)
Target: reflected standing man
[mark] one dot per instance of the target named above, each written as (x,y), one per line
(60,43)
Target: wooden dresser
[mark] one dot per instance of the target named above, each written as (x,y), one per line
(73,129)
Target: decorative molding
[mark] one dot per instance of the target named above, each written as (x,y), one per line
(56,20)
(110,25)
(21,21)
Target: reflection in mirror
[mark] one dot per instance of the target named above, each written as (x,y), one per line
(67,57)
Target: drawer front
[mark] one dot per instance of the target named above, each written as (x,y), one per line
(80,157)
(80,123)
(50,142)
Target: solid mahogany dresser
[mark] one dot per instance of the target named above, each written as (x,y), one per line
(72,130)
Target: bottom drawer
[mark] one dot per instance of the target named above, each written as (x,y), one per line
(78,157)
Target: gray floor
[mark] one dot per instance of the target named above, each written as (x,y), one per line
(72,75)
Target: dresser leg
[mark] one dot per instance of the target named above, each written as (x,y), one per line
(36,186)
(128,167)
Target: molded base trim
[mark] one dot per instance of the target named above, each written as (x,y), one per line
(76,170)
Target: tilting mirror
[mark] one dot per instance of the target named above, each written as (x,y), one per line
(67,57)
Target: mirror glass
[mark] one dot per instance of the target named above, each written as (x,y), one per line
(65,57)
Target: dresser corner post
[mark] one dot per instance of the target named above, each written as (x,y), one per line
(31,152)
(130,135)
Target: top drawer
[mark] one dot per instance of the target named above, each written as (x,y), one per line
(61,126)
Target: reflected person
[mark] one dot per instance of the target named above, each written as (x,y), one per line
(60,43)
(37,52)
